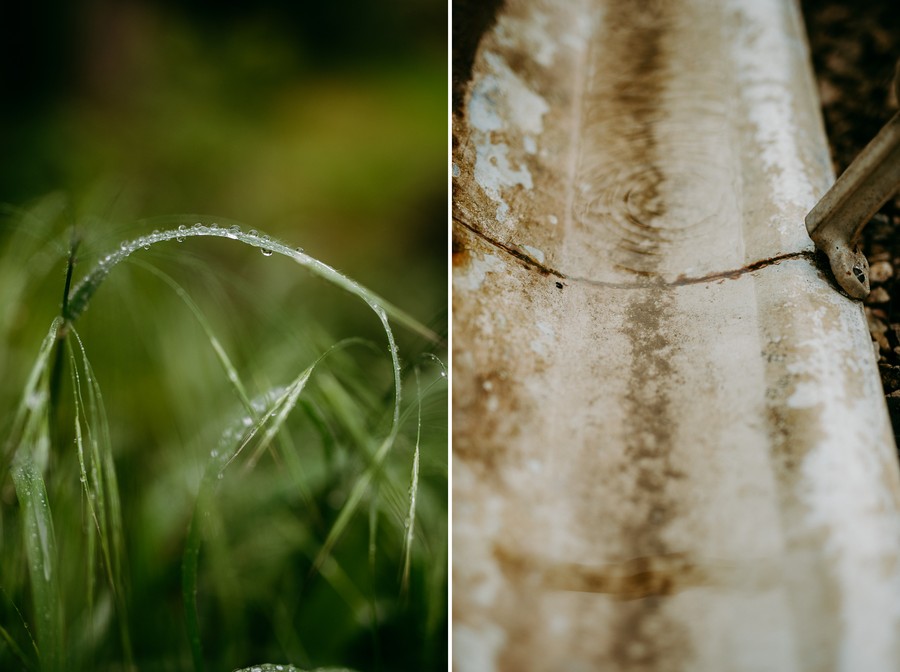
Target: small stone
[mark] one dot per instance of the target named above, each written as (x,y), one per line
(878,295)
(890,377)
(880,271)
(875,318)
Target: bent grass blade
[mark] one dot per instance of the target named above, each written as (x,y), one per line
(231,445)
(82,293)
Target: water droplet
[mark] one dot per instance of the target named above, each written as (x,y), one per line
(247,421)
(214,453)
(214,226)
(221,475)
(234,229)
(443,374)
(298,249)
(155,232)
(180,239)
(253,232)
(198,226)
(123,246)
(266,253)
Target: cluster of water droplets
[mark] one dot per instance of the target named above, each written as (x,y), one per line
(237,431)
(82,291)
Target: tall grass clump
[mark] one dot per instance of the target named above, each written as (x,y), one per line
(212,464)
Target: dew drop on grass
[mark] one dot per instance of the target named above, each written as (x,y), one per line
(181,228)
(443,374)
(214,226)
(235,229)
(298,249)
(35,399)
(253,232)
(266,253)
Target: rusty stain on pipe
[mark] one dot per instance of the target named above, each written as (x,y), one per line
(515,251)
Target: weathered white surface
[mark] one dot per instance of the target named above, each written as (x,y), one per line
(680,459)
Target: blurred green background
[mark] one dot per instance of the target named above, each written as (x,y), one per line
(323,125)
(322,122)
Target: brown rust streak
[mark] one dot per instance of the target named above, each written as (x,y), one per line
(634,579)
(656,281)
(510,249)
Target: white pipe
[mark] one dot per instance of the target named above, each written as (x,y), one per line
(670,445)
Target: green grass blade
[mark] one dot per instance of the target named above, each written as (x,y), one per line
(231,445)
(229,368)
(410,523)
(82,293)
(35,395)
(14,647)
(28,447)
(40,549)
(98,477)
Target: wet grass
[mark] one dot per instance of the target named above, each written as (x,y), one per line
(208,474)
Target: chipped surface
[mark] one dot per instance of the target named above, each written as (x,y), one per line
(670,451)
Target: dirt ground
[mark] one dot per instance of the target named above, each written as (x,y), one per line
(855,46)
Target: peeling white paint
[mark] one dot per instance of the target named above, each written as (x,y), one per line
(532,34)
(494,173)
(501,100)
(476,272)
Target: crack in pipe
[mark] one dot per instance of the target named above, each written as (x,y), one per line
(680,281)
